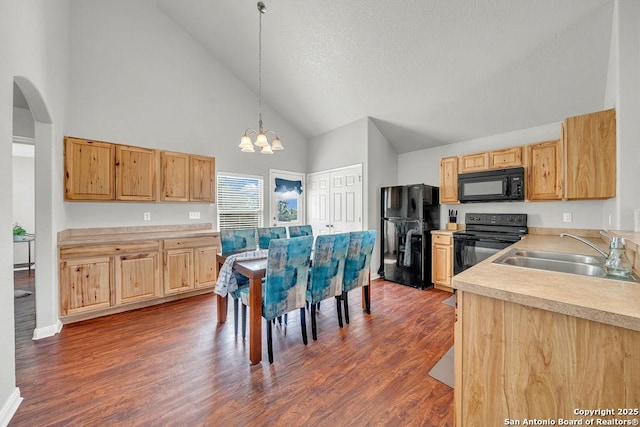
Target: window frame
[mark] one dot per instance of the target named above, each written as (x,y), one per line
(223,193)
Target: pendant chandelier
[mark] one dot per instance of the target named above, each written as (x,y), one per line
(262,141)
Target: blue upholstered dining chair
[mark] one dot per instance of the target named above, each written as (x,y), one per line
(285,284)
(238,240)
(327,271)
(300,230)
(266,234)
(357,267)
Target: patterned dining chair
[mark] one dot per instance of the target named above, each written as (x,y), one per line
(237,240)
(300,230)
(266,234)
(357,267)
(285,284)
(327,271)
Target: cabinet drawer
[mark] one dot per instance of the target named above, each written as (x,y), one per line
(442,239)
(191,242)
(67,252)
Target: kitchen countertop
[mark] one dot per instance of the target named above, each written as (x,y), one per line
(86,236)
(607,301)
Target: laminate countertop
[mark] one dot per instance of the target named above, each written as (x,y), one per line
(609,301)
(88,236)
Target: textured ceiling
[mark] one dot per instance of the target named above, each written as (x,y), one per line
(429,72)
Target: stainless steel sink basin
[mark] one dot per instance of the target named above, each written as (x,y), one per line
(558,256)
(583,265)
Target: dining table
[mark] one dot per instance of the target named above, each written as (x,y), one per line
(255,270)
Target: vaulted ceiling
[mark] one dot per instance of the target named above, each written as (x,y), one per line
(429,72)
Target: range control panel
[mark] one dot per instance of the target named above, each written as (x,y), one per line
(495,219)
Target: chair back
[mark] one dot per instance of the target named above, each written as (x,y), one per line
(327,270)
(286,277)
(358,264)
(300,230)
(240,239)
(266,234)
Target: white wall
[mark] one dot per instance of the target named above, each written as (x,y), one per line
(23,203)
(381,171)
(424,166)
(34,42)
(23,123)
(344,146)
(137,78)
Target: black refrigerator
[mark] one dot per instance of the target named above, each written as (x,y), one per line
(408,214)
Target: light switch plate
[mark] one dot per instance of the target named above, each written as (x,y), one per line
(567,217)
(194,215)
(147,216)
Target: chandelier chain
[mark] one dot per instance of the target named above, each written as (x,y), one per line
(260,69)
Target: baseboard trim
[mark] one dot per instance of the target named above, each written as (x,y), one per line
(47,331)
(10,407)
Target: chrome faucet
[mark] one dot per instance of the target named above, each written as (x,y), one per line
(616,262)
(586,242)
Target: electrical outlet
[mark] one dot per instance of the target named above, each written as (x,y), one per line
(194,215)
(567,217)
(147,216)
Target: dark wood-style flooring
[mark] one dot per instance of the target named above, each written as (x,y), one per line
(172,364)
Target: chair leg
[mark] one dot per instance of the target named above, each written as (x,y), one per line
(346,307)
(303,325)
(280,320)
(244,321)
(269,342)
(339,309)
(367,301)
(235,317)
(318,305)
(286,318)
(314,332)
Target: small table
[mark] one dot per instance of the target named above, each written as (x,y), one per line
(30,238)
(255,270)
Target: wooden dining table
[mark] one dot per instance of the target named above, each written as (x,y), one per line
(255,270)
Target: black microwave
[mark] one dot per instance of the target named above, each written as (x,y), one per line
(502,185)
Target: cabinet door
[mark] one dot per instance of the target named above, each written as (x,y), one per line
(89,168)
(137,277)
(442,265)
(590,152)
(206,267)
(175,176)
(449,180)
(474,162)
(135,173)
(544,170)
(85,285)
(202,175)
(178,271)
(508,158)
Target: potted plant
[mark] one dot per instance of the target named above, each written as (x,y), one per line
(19,233)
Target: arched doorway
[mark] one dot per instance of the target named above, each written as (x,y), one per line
(47,323)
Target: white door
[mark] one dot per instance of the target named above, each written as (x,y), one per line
(335,200)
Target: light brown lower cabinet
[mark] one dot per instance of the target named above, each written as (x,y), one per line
(442,260)
(100,279)
(514,362)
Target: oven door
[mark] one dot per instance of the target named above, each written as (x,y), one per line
(469,251)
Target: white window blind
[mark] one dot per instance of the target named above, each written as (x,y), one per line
(240,201)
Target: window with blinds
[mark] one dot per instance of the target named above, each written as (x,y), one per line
(240,201)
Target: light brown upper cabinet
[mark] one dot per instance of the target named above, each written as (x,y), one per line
(474,162)
(135,173)
(590,155)
(543,163)
(507,158)
(88,170)
(202,179)
(175,176)
(449,180)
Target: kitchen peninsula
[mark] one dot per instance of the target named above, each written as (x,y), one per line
(535,344)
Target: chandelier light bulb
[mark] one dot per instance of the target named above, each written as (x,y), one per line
(266,150)
(245,142)
(249,149)
(276,144)
(261,140)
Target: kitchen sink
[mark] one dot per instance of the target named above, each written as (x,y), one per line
(583,265)
(559,256)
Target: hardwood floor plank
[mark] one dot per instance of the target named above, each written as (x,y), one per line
(171,364)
